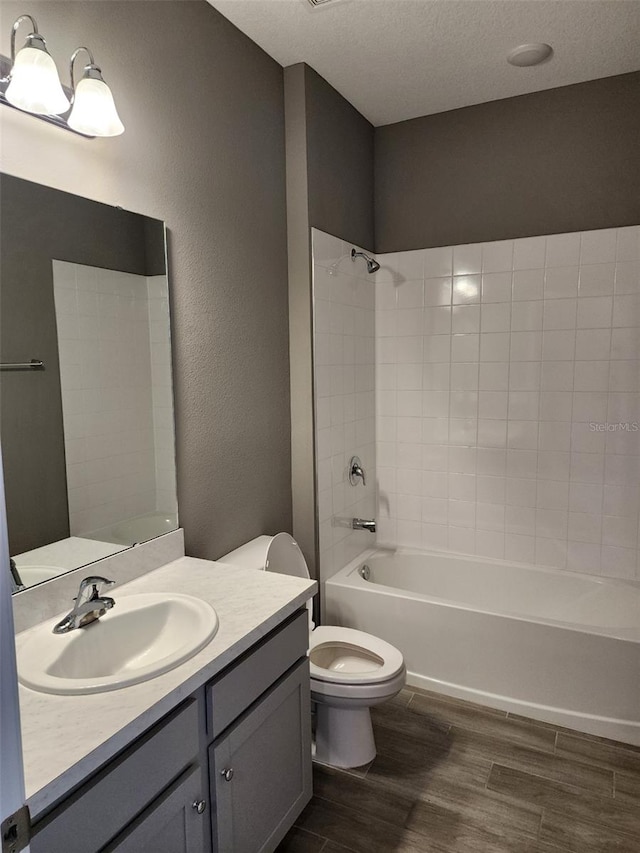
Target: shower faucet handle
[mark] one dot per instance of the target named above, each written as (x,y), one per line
(356,471)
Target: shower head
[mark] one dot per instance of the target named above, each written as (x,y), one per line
(372,266)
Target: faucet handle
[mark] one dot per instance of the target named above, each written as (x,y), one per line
(356,471)
(94,582)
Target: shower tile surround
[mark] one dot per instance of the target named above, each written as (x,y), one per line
(118,420)
(504,372)
(344,398)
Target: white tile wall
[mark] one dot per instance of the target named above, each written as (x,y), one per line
(109,339)
(344,397)
(493,364)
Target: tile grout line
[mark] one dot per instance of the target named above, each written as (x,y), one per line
(566,561)
(589,761)
(538,775)
(449,393)
(584,737)
(578,758)
(546,808)
(593,822)
(486,781)
(352,808)
(324,838)
(542,815)
(509,392)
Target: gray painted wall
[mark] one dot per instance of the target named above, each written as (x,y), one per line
(303,490)
(204,150)
(561,160)
(340,163)
(37,225)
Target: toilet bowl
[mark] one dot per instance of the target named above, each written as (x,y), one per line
(350,670)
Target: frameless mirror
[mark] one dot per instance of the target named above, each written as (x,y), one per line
(86,399)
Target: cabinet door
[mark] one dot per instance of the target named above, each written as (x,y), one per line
(172,824)
(261,768)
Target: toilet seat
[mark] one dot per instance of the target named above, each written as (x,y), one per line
(381,662)
(355,695)
(352,670)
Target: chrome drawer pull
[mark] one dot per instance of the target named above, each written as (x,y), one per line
(199,805)
(227,774)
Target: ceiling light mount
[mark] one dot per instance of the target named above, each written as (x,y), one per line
(526,55)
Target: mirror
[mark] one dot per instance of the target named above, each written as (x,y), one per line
(86,398)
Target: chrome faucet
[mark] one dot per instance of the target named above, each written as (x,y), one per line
(356,471)
(364,524)
(89,605)
(16,580)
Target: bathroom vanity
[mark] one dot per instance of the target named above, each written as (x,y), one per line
(214,755)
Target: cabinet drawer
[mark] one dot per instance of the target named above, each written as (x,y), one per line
(245,681)
(114,796)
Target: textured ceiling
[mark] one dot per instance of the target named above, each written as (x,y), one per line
(398,59)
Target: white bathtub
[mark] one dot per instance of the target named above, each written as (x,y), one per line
(132,531)
(552,645)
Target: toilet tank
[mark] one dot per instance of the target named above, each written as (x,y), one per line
(251,555)
(279,554)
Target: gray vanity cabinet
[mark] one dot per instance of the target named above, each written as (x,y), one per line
(227,771)
(261,769)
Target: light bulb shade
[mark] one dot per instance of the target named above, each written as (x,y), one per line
(34,84)
(94,111)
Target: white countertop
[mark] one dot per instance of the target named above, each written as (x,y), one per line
(66,738)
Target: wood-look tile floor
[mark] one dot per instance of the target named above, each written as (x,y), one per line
(452,777)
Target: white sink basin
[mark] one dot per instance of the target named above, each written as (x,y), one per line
(30,575)
(142,637)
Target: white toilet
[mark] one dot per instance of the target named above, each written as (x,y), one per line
(350,670)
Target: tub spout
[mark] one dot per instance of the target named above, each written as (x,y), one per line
(364,524)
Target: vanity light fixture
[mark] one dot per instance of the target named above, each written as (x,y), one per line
(93,110)
(29,82)
(33,82)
